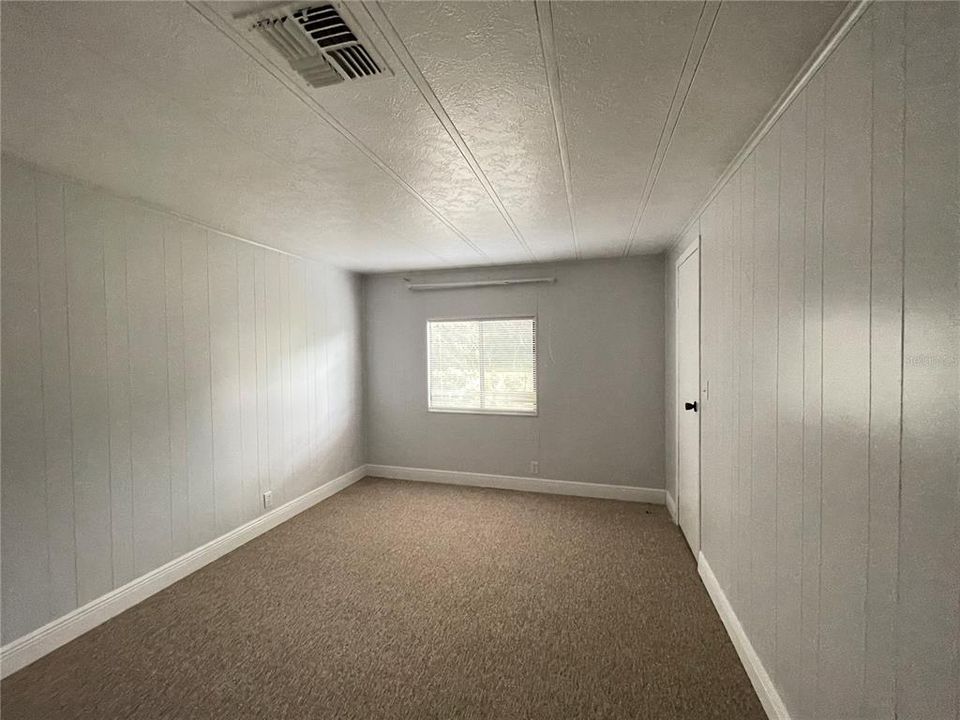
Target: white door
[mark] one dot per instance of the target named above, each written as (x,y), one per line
(688,398)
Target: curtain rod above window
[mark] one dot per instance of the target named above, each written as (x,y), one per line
(478,283)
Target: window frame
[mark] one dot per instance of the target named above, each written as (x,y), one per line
(478,318)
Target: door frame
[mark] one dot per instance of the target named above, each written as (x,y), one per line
(693,247)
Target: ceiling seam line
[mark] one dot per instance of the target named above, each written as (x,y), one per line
(666,132)
(328,118)
(409,64)
(551,66)
(683,103)
(338,127)
(663,129)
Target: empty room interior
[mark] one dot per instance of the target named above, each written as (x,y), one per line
(484,360)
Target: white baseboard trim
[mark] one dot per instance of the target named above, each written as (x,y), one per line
(671,507)
(21,652)
(762,682)
(526,484)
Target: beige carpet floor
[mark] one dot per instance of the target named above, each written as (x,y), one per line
(406,600)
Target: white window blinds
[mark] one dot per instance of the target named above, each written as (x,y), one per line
(483,365)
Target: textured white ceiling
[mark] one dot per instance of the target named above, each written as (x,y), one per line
(509,132)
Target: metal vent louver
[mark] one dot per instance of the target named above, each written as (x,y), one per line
(320,45)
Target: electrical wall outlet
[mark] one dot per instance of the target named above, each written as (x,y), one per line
(268,499)
(534,467)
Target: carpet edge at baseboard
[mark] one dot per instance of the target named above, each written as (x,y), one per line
(762,682)
(29,648)
(628,493)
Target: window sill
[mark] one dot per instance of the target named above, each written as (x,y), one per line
(510,413)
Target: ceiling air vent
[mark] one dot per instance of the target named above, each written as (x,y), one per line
(320,44)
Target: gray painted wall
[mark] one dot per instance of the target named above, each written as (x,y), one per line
(600,374)
(830,264)
(157,377)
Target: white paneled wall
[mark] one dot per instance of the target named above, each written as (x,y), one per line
(830,265)
(157,378)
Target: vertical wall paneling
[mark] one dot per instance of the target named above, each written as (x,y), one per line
(55,362)
(274,394)
(320,375)
(719,400)
(730,278)
(710,406)
(846,377)
(309,435)
(929,585)
(225,371)
(197,369)
(263,377)
(812,355)
(308,454)
(745,395)
(146,363)
(723,392)
(790,397)
(842,567)
(89,398)
(886,296)
(26,576)
(113,230)
(732,356)
(335,327)
(723,395)
(286,390)
(335,324)
(300,476)
(322,372)
(764,521)
(149,412)
(176,387)
(247,321)
(315,345)
(320,360)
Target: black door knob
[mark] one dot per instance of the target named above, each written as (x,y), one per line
(690,406)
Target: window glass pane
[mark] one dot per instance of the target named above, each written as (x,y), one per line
(483,365)
(455,365)
(509,369)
